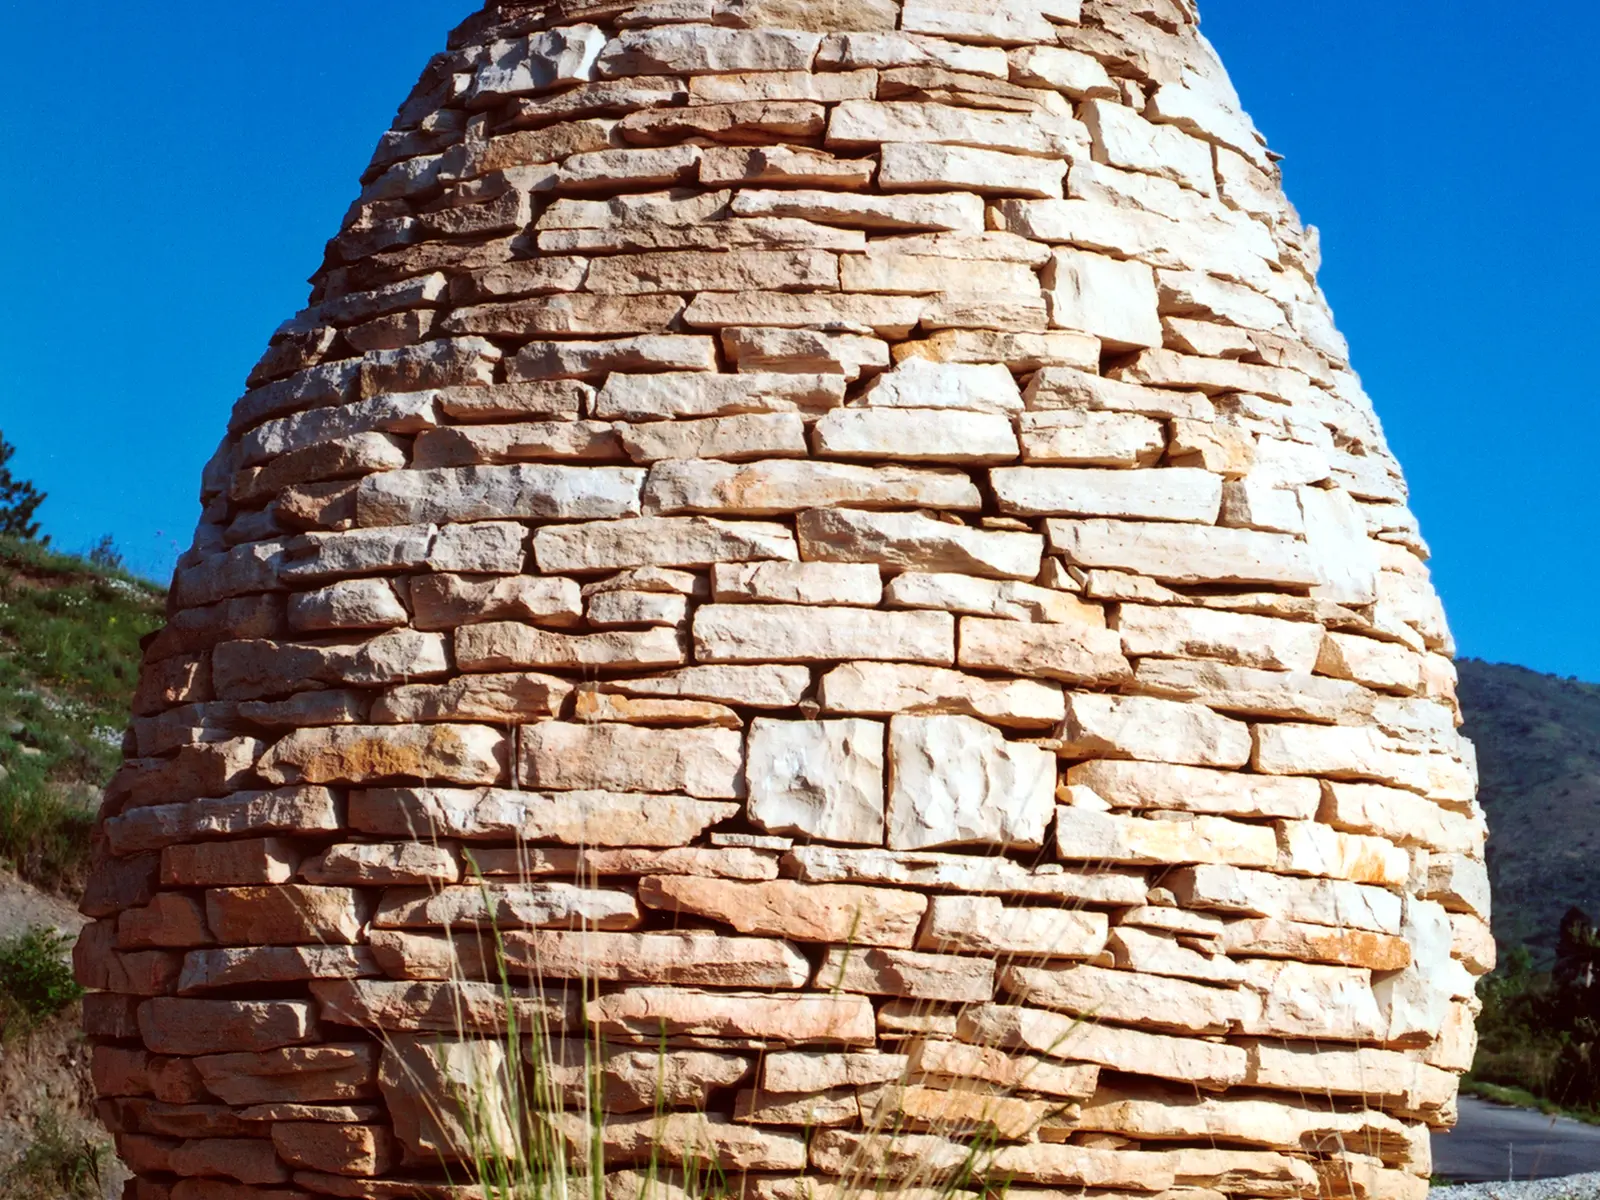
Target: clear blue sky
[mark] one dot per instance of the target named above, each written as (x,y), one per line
(175,167)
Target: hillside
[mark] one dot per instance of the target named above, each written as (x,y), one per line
(69,659)
(1538,739)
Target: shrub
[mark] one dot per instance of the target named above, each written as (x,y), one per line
(35,980)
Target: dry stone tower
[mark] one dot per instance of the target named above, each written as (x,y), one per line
(844,533)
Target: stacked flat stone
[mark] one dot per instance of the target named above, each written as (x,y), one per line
(853,518)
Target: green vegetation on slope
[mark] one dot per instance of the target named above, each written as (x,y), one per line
(1540,1030)
(69,661)
(1538,740)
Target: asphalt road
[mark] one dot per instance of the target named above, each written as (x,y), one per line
(1493,1143)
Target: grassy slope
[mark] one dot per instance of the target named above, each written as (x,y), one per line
(69,660)
(1538,739)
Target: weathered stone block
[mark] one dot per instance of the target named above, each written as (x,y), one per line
(804,912)
(346,754)
(957,781)
(192,1027)
(820,779)
(707,763)
(285,913)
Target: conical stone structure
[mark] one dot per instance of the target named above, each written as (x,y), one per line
(847,533)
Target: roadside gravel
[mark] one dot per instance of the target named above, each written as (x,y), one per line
(1573,1187)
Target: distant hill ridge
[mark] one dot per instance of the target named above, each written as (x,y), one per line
(1538,739)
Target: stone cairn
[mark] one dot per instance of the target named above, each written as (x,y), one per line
(844,529)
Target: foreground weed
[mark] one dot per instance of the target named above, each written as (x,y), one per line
(530,1120)
(55,1165)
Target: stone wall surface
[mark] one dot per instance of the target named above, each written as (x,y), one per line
(846,533)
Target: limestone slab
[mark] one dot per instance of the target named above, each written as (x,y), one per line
(170,1025)
(306,810)
(912,974)
(249,670)
(1235,638)
(1114,300)
(916,435)
(569,818)
(647,1012)
(563,756)
(450,1006)
(912,1156)
(530,905)
(697,394)
(1249,691)
(358,754)
(286,914)
(922,384)
(1146,729)
(1402,817)
(672,49)
(1331,902)
(798,583)
(1152,785)
(915,541)
(749,633)
(962,1065)
(782,486)
(1360,753)
(413,1068)
(761,686)
(1073,653)
(948,210)
(867,124)
(1311,1000)
(295,1074)
(660,541)
(737,438)
(1182,494)
(498,698)
(984,925)
(1109,837)
(1085,438)
(1008,599)
(1135,949)
(1125,997)
(1268,938)
(502,645)
(1184,554)
(1310,848)
(1133,1051)
(980,874)
(836,913)
(486,493)
(885,689)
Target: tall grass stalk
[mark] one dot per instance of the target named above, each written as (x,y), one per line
(557,1130)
